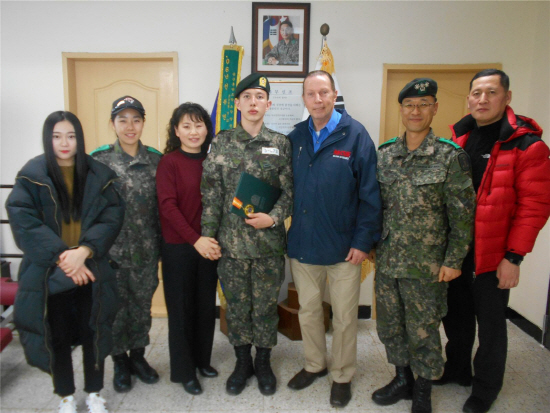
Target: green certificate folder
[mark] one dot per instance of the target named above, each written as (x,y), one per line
(253,195)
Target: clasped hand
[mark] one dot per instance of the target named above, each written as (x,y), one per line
(72,263)
(208,248)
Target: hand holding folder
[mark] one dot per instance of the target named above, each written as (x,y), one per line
(253,195)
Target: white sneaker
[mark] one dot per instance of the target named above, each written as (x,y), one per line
(67,405)
(96,403)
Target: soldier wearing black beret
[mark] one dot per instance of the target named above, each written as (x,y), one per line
(429,202)
(253,81)
(421,86)
(251,268)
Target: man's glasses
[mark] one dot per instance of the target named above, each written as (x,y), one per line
(420,106)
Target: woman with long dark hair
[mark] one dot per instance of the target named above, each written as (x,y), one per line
(188,259)
(65,214)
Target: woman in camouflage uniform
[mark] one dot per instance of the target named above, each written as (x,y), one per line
(136,249)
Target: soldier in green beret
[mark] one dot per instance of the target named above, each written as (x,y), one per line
(428,215)
(251,269)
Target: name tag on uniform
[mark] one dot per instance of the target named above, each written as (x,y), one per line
(270,151)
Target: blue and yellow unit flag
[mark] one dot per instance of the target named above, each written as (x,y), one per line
(224,113)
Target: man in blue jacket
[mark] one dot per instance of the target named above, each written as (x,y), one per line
(335,224)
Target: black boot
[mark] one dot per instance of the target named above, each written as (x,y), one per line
(141,368)
(243,370)
(422,396)
(400,388)
(267,383)
(122,380)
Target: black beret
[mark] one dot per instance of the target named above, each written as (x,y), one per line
(421,86)
(127,102)
(252,81)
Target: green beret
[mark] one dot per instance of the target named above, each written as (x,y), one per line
(252,81)
(421,86)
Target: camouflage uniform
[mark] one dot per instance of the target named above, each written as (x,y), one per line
(428,208)
(136,249)
(286,54)
(252,265)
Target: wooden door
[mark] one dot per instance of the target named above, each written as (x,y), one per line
(94,80)
(453,86)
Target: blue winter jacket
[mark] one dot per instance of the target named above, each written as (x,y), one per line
(337,202)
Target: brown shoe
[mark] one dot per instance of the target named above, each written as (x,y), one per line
(340,394)
(304,379)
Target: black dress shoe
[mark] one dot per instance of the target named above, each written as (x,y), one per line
(476,405)
(340,394)
(304,379)
(193,387)
(122,379)
(208,371)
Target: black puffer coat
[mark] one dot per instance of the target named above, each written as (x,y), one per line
(35,218)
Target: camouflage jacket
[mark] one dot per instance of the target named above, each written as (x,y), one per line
(267,157)
(428,205)
(286,54)
(139,239)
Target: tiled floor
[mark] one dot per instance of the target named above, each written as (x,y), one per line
(26,389)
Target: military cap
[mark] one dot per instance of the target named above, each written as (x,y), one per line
(421,86)
(127,102)
(252,81)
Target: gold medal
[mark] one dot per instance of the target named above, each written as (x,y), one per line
(249,209)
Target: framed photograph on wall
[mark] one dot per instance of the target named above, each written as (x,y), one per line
(280,39)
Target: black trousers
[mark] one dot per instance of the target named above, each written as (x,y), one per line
(190,292)
(468,298)
(69,317)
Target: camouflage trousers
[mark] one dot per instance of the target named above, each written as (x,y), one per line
(136,286)
(409,313)
(251,288)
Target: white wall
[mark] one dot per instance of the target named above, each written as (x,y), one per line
(363,36)
(530,296)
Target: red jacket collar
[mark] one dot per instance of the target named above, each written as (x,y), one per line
(512,127)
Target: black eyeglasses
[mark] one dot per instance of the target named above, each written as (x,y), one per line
(420,106)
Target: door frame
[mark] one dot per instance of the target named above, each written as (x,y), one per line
(404,68)
(158,307)
(69,60)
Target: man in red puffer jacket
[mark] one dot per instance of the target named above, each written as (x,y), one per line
(511,176)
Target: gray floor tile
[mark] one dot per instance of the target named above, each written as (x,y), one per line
(27,390)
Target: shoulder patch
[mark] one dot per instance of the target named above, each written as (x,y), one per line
(464,161)
(101,149)
(153,150)
(457,146)
(392,140)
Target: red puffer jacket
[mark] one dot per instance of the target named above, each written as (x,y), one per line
(513,201)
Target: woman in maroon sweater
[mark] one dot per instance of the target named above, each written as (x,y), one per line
(189,260)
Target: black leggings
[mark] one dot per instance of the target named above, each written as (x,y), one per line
(69,317)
